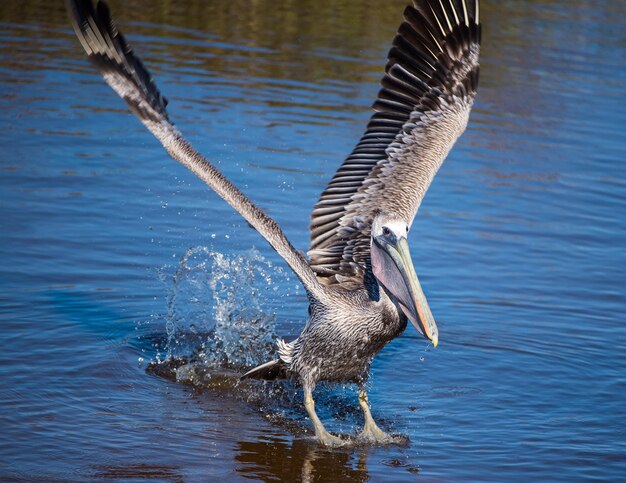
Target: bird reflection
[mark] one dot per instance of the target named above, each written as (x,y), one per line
(274,459)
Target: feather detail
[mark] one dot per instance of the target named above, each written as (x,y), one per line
(107,48)
(285,350)
(427,93)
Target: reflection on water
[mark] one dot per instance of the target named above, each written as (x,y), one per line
(109,250)
(274,459)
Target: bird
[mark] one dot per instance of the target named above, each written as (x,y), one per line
(361,285)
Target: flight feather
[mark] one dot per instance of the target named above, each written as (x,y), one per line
(423,106)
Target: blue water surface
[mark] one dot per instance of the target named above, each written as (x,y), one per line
(112,254)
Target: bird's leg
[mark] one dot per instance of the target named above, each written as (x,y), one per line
(324,436)
(371,431)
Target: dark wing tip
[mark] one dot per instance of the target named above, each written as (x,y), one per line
(107,48)
(436,47)
(438,39)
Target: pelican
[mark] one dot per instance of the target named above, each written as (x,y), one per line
(359,277)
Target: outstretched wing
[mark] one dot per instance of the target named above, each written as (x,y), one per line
(427,93)
(125,73)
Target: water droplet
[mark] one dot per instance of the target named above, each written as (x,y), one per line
(218,302)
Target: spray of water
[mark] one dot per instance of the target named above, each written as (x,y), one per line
(220,322)
(215,309)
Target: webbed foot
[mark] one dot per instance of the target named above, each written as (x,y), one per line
(331,441)
(374,435)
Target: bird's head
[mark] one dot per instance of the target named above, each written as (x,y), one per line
(393,268)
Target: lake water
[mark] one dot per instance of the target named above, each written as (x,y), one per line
(113,256)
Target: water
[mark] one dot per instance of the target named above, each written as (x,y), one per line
(113,255)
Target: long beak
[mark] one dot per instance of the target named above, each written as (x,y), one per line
(414,304)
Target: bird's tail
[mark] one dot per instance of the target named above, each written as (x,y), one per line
(269,371)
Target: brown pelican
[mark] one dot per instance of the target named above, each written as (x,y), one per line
(359,278)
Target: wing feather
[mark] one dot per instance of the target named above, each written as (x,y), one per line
(427,93)
(125,73)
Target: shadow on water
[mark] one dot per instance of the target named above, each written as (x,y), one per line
(293,456)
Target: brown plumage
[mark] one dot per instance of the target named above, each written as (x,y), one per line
(360,280)
(427,92)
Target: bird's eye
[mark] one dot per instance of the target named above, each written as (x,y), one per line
(386,231)
(407,229)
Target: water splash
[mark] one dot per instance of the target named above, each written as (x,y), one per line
(219,322)
(215,311)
